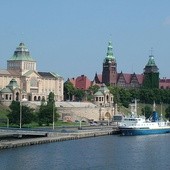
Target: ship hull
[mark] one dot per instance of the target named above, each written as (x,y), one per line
(140,131)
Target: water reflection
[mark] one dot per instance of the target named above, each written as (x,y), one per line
(106,152)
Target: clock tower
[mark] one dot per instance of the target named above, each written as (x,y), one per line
(109,74)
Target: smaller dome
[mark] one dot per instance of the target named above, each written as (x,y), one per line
(12,84)
(104,89)
(6,90)
(151,61)
(99,93)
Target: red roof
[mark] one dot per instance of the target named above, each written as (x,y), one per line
(128,77)
(73,81)
(99,77)
(140,78)
(164,83)
(81,82)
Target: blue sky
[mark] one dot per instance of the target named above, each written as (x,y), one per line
(70,37)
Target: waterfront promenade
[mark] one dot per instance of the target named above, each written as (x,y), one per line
(54,137)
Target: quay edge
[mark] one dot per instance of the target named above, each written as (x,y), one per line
(55,137)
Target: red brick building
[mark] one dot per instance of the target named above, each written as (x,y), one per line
(81,82)
(110,76)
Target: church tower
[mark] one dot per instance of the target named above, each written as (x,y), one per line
(109,74)
(151,74)
(21,61)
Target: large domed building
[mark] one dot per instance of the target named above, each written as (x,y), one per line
(22,80)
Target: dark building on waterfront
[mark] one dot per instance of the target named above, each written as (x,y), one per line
(109,74)
(151,74)
(149,78)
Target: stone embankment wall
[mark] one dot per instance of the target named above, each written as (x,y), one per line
(77,110)
(84,113)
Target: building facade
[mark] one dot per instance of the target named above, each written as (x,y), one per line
(151,74)
(22,80)
(81,82)
(149,78)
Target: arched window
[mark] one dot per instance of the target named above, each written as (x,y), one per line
(107,98)
(17,96)
(35,98)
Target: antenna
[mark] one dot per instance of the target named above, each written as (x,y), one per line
(22,37)
(151,50)
(154,106)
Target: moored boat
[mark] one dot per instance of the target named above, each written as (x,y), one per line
(140,126)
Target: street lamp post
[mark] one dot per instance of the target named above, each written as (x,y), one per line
(53,114)
(20,120)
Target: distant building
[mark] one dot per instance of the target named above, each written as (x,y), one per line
(110,76)
(81,82)
(103,97)
(21,79)
(149,78)
(151,74)
(164,83)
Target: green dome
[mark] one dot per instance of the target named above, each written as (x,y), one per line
(21,53)
(99,93)
(12,84)
(6,90)
(104,89)
(151,61)
(109,56)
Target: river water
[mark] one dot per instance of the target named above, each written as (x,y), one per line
(99,153)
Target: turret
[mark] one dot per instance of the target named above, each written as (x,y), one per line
(151,74)
(109,74)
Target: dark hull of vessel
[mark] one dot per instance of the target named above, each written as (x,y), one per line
(138,131)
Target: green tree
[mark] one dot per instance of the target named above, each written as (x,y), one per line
(46,111)
(167,113)
(91,91)
(79,94)
(115,92)
(125,97)
(146,111)
(14,114)
(69,90)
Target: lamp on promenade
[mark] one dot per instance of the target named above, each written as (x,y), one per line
(53,113)
(20,120)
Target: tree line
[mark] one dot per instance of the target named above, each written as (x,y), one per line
(122,96)
(43,115)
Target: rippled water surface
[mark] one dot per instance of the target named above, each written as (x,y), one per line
(99,153)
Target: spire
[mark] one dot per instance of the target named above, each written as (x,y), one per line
(110,51)
(151,61)
(151,65)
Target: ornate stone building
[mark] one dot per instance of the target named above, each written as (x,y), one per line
(22,80)
(103,97)
(110,76)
